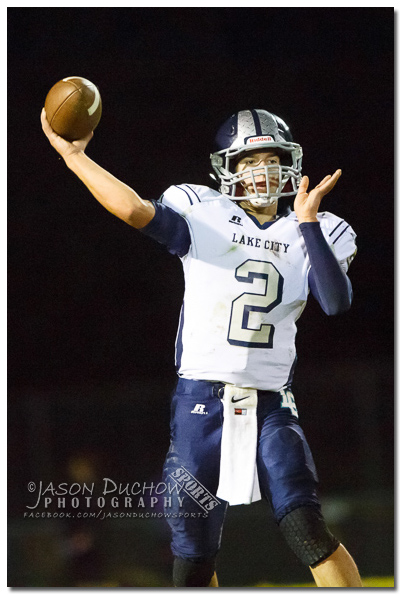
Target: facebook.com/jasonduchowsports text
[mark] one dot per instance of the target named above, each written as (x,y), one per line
(109,499)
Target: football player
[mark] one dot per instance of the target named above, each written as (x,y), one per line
(249,264)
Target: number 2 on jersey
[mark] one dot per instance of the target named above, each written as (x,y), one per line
(246,328)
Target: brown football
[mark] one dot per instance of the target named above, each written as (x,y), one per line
(73,107)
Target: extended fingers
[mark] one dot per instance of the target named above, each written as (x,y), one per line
(329,182)
(47,129)
(304,182)
(323,181)
(43,118)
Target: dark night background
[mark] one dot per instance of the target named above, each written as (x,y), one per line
(93,306)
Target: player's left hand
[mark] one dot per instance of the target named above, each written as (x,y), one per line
(306,204)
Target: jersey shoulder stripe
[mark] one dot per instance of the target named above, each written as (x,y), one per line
(188,194)
(340,235)
(335,228)
(191,191)
(182,197)
(332,223)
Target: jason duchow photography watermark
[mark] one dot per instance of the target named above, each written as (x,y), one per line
(111,499)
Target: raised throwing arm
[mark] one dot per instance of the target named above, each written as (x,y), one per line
(118,198)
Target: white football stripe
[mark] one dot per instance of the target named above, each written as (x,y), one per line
(95,104)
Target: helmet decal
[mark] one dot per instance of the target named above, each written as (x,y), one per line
(258,139)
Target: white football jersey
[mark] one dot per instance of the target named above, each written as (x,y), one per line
(246,284)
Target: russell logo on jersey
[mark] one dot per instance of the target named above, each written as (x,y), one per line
(236,220)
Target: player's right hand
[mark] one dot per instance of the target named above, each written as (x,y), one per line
(62,146)
(306,203)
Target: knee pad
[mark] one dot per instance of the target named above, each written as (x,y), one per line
(308,536)
(193,572)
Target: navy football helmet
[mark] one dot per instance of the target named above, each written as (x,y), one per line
(249,130)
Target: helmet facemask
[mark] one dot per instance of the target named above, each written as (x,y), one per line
(252,130)
(288,176)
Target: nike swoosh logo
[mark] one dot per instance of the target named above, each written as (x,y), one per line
(237,400)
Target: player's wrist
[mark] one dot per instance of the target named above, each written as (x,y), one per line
(307,219)
(73,158)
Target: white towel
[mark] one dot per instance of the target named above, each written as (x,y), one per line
(238,479)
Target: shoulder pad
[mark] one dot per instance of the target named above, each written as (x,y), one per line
(339,234)
(182,197)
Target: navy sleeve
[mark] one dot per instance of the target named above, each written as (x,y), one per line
(168,228)
(328,283)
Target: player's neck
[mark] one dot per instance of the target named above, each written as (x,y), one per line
(262,214)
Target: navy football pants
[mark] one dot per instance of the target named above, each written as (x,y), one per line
(286,469)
